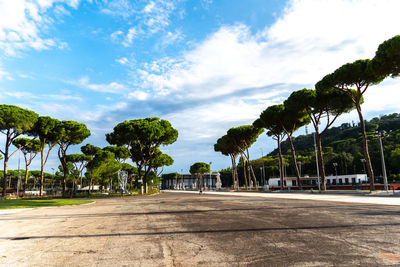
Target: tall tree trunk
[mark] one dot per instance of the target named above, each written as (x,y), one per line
(237,176)
(244,171)
(26,178)
(251,169)
(139,178)
(253,175)
(370,171)
(90,184)
(296,168)
(41,173)
(63,160)
(321,162)
(233,172)
(6,164)
(281,170)
(5,178)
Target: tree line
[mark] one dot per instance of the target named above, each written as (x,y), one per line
(138,140)
(336,93)
(343,145)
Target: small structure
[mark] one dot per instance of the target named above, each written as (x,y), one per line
(188,181)
(331,180)
(86,188)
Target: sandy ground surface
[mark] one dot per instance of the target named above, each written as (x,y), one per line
(176,229)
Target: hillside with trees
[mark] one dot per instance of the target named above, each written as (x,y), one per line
(343,145)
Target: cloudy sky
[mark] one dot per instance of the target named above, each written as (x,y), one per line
(204,65)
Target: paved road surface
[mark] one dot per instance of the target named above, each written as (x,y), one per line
(175,229)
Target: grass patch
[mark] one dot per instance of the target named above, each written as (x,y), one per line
(34,203)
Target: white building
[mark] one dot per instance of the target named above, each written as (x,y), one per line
(348,179)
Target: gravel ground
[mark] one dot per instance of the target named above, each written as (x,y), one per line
(175,229)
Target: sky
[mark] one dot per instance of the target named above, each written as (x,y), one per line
(203,65)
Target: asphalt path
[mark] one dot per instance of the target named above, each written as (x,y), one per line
(176,229)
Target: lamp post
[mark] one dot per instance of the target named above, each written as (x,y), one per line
(210,176)
(182,182)
(299,163)
(52,180)
(263,170)
(19,175)
(363,162)
(380,135)
(316,159)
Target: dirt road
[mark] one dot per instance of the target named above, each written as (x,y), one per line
(175,229)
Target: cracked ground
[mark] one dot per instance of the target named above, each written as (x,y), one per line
(175,229)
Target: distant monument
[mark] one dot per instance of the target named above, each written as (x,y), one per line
(123,179)
(218,184)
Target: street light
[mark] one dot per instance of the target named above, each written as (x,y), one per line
(316,159)
(299,163)
(263,170)
(210,175)
(52,180)
(183,184)
(380,135)
(363,162)
(19,175)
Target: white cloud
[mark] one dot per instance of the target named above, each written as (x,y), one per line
(22,23)
(122,61)
(172,37)
(125,39)
(113,87)
(5,75)
(139,95)
(306,43)
(206,3)
(149,17)
(119,8)
(63,97)
(132,33)
(149,7)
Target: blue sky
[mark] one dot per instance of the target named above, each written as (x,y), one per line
(204,65)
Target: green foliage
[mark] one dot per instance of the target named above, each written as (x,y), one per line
(29,145)
(270,119)
(129,168)
(244,136)
(45,130)
(103,166)
(395,157)
(343,145)
(320,102)
(227,146)
(90,150)
(76,158)
(143,137)
(120,152)
(71,132)
(148,131)
(160,160)
(16,119)
(387,57)
(35,173)
(359,73)
(200,168)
